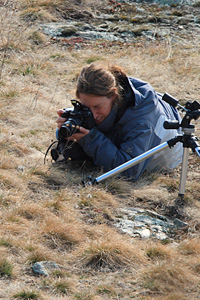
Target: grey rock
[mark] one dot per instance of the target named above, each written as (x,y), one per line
(43,268)
(21,168)
(68,30)
(179,224)
(185,20)
(197,19)
(180,22)
(59,29)
(147,224)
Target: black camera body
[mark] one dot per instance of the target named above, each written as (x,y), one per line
(78,116)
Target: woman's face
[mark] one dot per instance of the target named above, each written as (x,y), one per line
(99,105)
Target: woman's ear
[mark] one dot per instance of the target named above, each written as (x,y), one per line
(114,94)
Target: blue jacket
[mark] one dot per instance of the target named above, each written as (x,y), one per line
(132,130)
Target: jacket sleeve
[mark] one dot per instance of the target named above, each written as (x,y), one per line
(135,140)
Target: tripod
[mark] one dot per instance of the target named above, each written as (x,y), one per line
(192,110)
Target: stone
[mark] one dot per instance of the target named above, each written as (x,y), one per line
(43,268)
(197,19)
(59,29)
(185,20)
(140,20)
(146,224)
(68,30)
(21,168)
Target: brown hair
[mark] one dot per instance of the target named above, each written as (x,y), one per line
(97,80)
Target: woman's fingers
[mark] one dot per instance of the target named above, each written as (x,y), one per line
(60,112)
(60,120)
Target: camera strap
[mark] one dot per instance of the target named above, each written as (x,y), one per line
(49,149)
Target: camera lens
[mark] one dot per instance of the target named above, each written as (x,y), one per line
(69,127)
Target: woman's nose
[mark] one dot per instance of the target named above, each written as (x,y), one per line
(95,114)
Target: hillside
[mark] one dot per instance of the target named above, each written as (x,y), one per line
(119,239)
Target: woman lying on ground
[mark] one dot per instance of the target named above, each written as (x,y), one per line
(128,116)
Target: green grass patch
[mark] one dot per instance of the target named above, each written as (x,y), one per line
(8,94)
(93,59)
(62,287)
(27,295)
(6,268)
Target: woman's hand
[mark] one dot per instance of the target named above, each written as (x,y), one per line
(60,120)
(77,136)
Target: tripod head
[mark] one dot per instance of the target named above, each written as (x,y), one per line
(192,110)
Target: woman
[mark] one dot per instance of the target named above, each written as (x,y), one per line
(129,117)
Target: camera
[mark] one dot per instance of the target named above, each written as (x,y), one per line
(78,116)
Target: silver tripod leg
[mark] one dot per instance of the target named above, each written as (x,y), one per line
(183,172)
(132,162)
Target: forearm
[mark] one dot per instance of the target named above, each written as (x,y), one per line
(104,153)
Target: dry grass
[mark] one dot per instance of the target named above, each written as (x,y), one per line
(45,212)
(108,252)
(190,247)
(159,252)
(165,278)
